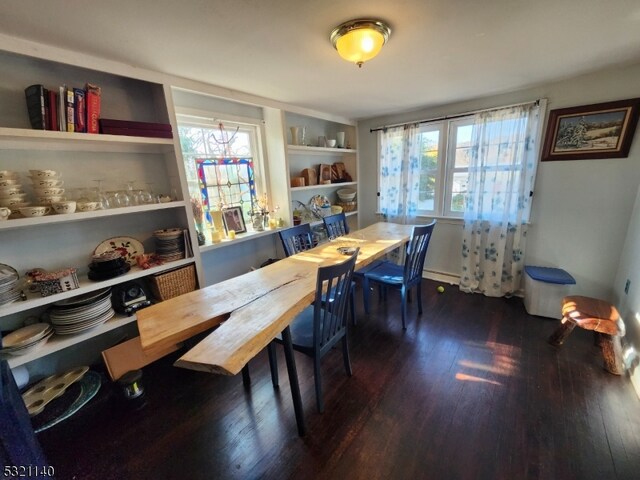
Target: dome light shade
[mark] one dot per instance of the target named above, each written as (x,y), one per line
(360,40)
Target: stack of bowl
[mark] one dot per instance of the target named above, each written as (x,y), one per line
(11,194)
(47,187)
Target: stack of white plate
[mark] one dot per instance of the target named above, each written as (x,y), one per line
(47,186)
(26,339)
(9,291)
(11,194)
(81,313)
(169,244)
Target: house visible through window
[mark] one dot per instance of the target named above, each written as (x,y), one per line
(444,167)
(222,162)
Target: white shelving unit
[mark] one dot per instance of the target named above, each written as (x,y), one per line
(299,157)
(85,161)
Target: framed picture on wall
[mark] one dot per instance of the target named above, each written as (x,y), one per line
(233,220)
(602,130)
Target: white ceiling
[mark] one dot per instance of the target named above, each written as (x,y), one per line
(440,51)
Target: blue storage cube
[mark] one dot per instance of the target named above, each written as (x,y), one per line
(544,289)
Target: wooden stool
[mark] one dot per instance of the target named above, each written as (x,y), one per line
(599,316)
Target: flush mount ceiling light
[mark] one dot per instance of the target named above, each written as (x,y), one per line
(360,40)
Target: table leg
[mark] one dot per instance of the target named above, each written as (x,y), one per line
(246,378)
(293,379)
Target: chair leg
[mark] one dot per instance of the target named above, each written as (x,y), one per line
(403,294)
(365,294)
(318,381)
(345,356)
(419,295)
(353,305)
(273,364)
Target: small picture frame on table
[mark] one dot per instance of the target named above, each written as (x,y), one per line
(233,220)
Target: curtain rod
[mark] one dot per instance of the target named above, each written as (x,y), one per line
(450,117)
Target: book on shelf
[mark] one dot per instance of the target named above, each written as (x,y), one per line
(80,110)
(62,110)
(137,129)
(53,110)
(36,106)
(69,102)
(92,100)
(109,122)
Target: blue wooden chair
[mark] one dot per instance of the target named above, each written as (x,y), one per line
(296,239)
(316,330)
(402,277)
(336,225)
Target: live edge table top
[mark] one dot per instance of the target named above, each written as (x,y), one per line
(253,308)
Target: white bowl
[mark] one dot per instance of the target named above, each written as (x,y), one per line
(47,182)
(346,194)
(38,174)
(13,201)
(49,199)
(68,206)
(9,182)
(43,192)
(331,142)
(8,175)
(86,206)
(37,211)
(6,192)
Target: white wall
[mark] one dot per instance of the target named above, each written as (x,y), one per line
(581,208)
(629,303)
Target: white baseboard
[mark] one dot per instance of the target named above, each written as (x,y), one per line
(450,278)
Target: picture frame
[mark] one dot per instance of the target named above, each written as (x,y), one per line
(233,220)
(597,131)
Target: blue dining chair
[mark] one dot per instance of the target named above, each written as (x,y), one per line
(296,239)
(402,277)
(336,225)
(318,328)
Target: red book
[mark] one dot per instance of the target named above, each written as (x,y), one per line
(53,111)
(92,99)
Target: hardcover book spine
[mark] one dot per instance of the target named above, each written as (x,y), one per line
(62,110)
(80,110)
(69,103)
(36,106)
(93,108)
(53,110)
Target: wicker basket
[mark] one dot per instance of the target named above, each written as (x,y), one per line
(348,206)
(174,282)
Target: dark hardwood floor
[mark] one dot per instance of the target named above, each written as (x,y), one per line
(471,390)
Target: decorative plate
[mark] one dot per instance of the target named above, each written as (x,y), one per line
(316,203)
(128,247)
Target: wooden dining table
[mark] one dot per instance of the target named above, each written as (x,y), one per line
(250,310)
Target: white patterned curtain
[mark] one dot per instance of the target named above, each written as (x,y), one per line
(502,171)
(399,173)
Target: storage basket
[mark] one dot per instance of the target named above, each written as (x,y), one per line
(348,206)
(174,282)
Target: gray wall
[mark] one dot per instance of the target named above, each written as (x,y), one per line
(581,209)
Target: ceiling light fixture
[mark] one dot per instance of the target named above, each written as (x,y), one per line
(360,40)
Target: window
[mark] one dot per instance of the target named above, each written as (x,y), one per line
(444,167)
(222,162)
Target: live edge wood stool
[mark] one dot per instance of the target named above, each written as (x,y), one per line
(599,316)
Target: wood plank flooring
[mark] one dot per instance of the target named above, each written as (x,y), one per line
(471,390)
